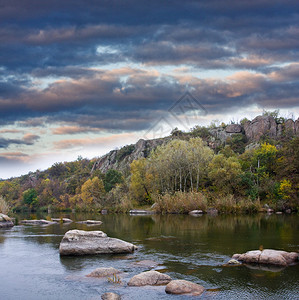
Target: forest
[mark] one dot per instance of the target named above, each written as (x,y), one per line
(180,175)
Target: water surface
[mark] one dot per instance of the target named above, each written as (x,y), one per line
(185,247)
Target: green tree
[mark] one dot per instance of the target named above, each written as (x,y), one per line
(225,172)
(112,177)
(30,197)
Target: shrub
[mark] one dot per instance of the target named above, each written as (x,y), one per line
(180,202)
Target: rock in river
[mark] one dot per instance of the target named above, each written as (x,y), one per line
(5,221)
(149,278)
(62,220)
(268,256)
(90,222)
(37,222)
(103,272)
(184,287)
(110,296)
(80,242)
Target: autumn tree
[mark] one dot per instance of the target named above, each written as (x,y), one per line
(92,192)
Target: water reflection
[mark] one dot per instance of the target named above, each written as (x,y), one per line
(185,247)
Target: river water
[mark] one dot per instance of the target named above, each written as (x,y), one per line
(184,247)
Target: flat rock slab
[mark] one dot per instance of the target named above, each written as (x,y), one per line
(90,222)
(141,212)
(63,220)
(110,296)
(103,272)
(196,212)
(81,242)
(184,287)
(268,256)
(37,222)
(149,278)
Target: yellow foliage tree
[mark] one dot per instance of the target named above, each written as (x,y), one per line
(92,191)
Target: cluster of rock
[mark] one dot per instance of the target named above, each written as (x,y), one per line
(5,221)
(80,242)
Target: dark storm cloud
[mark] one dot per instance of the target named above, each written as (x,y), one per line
(28,139)
(55,39)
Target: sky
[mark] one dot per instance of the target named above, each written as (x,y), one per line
(82,77)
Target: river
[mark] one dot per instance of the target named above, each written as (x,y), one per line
(185,247)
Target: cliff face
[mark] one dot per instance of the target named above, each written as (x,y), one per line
(122,158)
(252,130)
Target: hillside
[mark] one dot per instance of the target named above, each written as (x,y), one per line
(255,160)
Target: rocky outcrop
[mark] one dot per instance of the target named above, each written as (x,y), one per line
(184,287)
(80,242)
(268,256)
(233,128)
(5,221)
(122,158)
(259,126)
(103,272)
(296,125)
(289,127)
(149,278)
(110,296)
(37,222)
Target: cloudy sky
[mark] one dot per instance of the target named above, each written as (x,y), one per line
(84,77)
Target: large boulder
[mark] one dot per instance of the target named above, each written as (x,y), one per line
(259,126)
(184,287)
(268,256)
(149,278)
(103,272)
(80,242)
(5,221)
(233,128)
(289,127)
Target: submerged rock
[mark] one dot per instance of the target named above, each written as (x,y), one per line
(146,263)
(37,222)
(90,222)
(80,242)
(103,272)
(268,256)
(110,296)
(149,278)
(184,287)
(233,262)
(5,221)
